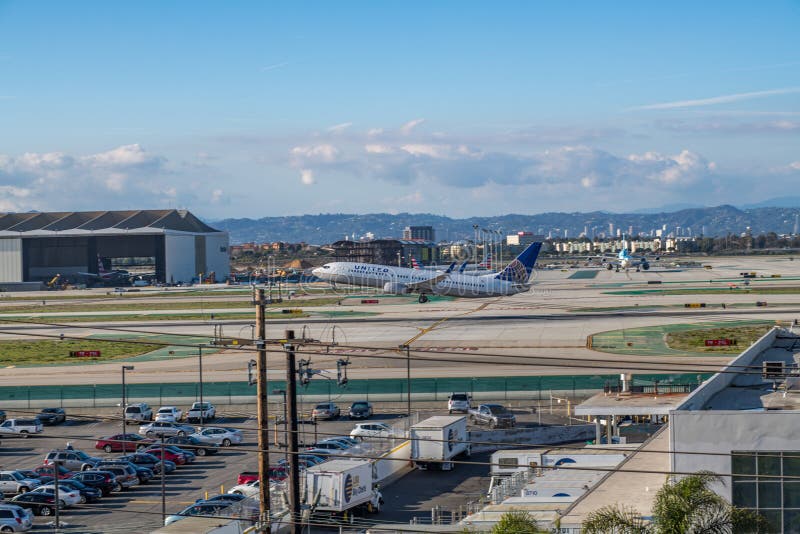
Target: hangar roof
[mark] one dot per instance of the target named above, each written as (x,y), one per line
(82,222)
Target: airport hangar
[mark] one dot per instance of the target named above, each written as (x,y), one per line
(173,244)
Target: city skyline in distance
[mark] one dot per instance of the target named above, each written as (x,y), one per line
(253,110)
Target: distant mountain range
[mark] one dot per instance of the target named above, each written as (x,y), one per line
(327,228)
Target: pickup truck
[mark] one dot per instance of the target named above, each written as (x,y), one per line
(201,410)
(16,482)
(138,413)
(21,427)
(494,415)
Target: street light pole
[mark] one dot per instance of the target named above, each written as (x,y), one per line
(124,368)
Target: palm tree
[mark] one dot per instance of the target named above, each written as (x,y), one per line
(517,522)
(685,507)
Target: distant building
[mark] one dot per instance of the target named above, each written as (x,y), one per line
(419,232)
(387,251)
(523,239)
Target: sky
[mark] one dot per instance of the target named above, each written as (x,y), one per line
(252,109)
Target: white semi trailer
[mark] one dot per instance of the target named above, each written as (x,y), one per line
(437,440)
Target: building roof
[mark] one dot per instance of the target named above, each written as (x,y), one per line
(41,224)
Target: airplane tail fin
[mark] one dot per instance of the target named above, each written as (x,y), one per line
(450,269)
(519,270)
(463,267)
(487,263)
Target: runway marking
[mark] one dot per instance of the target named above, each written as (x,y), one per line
(423,331)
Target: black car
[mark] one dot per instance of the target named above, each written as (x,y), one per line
(38,503)
(142,473)
(360,410)
(52,416)
(193,444)
(105,481)
(143,459)
(88,493)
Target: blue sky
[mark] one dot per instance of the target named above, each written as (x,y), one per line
(460,108)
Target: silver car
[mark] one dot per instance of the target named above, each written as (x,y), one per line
(164,428)
(224,437)
(15,518)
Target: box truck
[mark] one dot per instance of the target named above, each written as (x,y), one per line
(339,485)
(437,440)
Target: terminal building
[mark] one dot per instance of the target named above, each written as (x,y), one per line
(171,246)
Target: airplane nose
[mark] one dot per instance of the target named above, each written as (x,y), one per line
(316,272)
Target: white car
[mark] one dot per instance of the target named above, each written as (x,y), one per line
(251,489)
(371,430)
(163,428)
(69,497)
(169,414)
(224,437)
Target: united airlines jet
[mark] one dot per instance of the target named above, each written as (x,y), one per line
(402,281)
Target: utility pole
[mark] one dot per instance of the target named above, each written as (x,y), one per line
(407,348)
(291,408)
(263,416)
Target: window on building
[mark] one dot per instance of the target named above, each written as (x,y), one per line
(769,483)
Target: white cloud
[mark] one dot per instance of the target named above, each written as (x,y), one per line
(408,127)
(339,128)
(378,149)
(414,198)
(322,153)
(307,177)
(216,195)
(274,66)
(722,99)
(374,132)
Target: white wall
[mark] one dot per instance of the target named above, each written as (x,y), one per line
(179,260)
(393,463)
(11,260)
(726,431)
(217,255)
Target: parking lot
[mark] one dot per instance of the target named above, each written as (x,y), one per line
(142,505)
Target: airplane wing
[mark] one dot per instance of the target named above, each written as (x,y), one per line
(430,284)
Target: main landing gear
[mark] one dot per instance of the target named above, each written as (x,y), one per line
(423,298)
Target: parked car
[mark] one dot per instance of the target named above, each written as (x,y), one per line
(188,455)
(306,460)
(218,436)
(31,474)
(151,462)
(201,508)
(459,402)
(251,489)
(123,443)
(494,415)
(344,439)
(155,450)
(67,496)
(50,471)
(20,427)
(325,410)
(170,414)
(72,459)
(105,481)
(85,493)
(329,446)
(14,518)
(360,410)
(161,428)
(38,503)
(325,453)
(193,444)
(126,475)
(16,482)
(371,430)
(201,412)
(138,412)
(142,473)
(52,416)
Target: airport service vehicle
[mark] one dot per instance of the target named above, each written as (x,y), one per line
(67,496)
(249,489)
(340,485)
(325,410)
(138,412)
(38,503)
(16,482)
(104,481)
(21,427)
(494,415)
(161,428)
(15,518)
(52,416)
(218,436)
(128,442)
(169,414)
(360,410)
(437,440)
(371,430)
(403,281)
(72,459)
(193,444)
(201,412)
(458,402)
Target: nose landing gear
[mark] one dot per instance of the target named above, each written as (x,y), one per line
(423,298)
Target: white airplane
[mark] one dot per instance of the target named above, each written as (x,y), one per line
(403,281)
(624,261)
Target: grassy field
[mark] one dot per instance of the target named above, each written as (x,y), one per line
(792,290)
(694,340)
(154,317)
(26,352)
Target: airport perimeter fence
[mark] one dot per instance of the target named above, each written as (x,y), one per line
(375,390)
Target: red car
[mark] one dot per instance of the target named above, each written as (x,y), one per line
(133,443)
(179,459)
(47,471)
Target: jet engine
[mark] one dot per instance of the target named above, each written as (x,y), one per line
(395,289)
